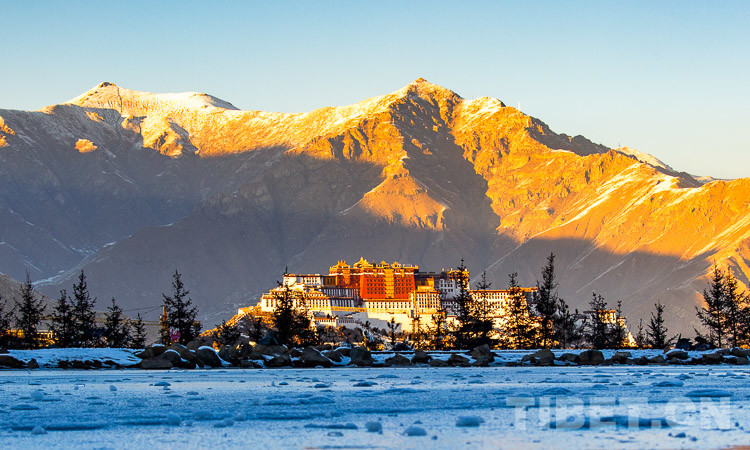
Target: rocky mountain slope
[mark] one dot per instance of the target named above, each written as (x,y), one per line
(131,186)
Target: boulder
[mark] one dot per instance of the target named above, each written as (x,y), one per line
(677,354)
(740,352)
(312,358)
(360,356)
(208,356)
(226,352)
(152,351)
(736,360)
(621,357)
(712,358)
(242,350)
(192,358)
(323,347)
(658,359)
(9,361)
(458,360)
(344,351)
(333,355)
(155,364)
(279,361)
(421,357)
(32,364)
(401,347)
(172,356)
(543,357)
(591,358)
(249,364)
(273,350)
(397,360)
(195,344)
(683,344)
(570,358)
(434,362)
(641,361)
(483,352)
(295,353)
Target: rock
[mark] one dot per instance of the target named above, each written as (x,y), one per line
(401,347)
(279,361)
(323,347)
(677,354)
(543,357)
(295,353)
(9,361)
(591,358)
(434,362)
(193,358)
(208,356)
(333,355)
(397,360)
(171,356)
(711,358)
(360,356)
(570,358)
(179,348)
(151,351)
(32,364)
(483,352)
(458,360)
(226,352)
(739,352)
(155,364)
(658,359)
(249,364)
(273,350)
(737,360)
(683,344)
(641,360)
(420,357)
(311,358)
(195,344)
(344,351)
(242,350)
(621,357)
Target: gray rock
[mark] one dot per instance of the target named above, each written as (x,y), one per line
(483,352)
(32,364)
(9,361)
(152,351)
(172,356)
(658,359)
(621,357)
(195,344)
(570,357)
(360,356)
(711,358)
(421,357)
(591,358)
(434,362)
(677,354)
(279,361)
(333,355)
(458,360)
(397,360)
(155,364)
(208,356)
(226,352)
(543,357)
(311,358)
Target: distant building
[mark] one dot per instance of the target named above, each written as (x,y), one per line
(376,293)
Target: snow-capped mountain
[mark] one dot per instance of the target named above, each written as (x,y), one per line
(131,186)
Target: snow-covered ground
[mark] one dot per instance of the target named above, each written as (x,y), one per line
(295,408)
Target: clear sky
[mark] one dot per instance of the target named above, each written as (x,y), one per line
(670,78)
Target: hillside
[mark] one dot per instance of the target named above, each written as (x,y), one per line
(131,185)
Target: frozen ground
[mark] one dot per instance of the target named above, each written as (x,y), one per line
(295,408)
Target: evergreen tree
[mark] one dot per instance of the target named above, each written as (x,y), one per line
(392,326)
(656,333)
(640,337)
(618,336)
(180,311)
(6,317)
(546,304)
(116,328)
(735,310)
(164,336)
(30,311)
(597,327)
(62,322)
(482,315)
(227,334)
(438,330)
(84,316)
(712,315)
(463,308)
(567,331)
(519,327)
(139,333)
(291,318)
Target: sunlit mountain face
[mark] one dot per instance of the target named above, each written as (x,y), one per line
(130,186)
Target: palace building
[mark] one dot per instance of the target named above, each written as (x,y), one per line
(376,293)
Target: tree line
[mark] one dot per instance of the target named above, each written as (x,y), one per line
(72,320)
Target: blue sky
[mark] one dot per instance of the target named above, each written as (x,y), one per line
(668,78)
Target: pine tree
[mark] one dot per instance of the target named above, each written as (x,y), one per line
(597,329)
(438,330)
(735,309)
(618,332)
(712,315)
(519,326)
(546,303)
(291,318)
(227,334)
(6,318)
(139,333)
(116,328)
(181,313)
(30,311)
(165,337)
(463,308)
(567,331)
(392,326)
(62,322)
(84,316)
(656,333)
(640,337)
(482,316)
